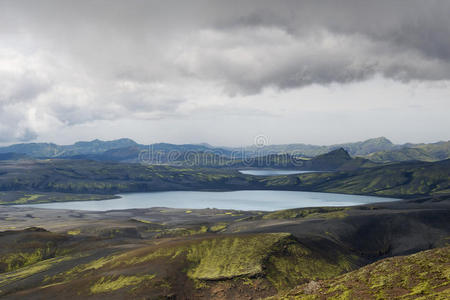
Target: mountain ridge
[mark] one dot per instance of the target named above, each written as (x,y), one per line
(378,149)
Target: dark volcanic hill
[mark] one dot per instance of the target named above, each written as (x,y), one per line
(338,159)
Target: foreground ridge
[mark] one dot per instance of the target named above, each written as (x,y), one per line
(424,275)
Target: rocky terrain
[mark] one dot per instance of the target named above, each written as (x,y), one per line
(163,253)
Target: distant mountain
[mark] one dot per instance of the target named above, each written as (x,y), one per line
(49,150)
(354,149)
(422,152)
(404,154)
(378,150)
(125,154)
(368,146)
(34,149)
(126,150)
(98,146)
(439,150)
(338,159)
(160,153)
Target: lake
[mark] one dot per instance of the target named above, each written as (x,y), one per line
(239,200)
(273,172)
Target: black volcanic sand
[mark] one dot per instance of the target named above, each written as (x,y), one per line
(363,234)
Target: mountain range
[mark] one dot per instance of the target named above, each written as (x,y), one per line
(126,150)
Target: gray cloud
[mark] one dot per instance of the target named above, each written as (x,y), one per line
(72,62)
(143,39)
(21,87)
(14,126)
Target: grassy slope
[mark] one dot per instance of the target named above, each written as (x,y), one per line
(398,180)
(424,275)
(404,154)
(275,260)
(439,151)
(29,247)
(422,152)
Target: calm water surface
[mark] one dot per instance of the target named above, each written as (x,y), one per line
(239,200)
(271,172)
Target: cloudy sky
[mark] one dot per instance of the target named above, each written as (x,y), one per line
(224,72)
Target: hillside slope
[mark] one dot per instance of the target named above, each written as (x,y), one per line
(424,275)
(90,177)
(423,152)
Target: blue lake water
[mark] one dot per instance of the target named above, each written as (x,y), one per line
(239,200)
(273,172)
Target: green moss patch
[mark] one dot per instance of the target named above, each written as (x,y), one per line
(8,278)
(424,275)
(276,256)
(13,261)
(319,212)
(230,257)
(216,258)
(110,284)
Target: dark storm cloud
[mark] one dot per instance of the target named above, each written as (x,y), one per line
(271,43)
(403,40)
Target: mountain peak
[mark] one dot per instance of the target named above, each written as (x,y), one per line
(379,140)
(122,141)
(340,153)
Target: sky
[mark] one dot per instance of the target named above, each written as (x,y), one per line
(224,72)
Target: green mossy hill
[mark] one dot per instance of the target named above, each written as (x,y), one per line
(424,275)
(439,150)
(277,258)
(90,177)
(212,258)
(26,247)
(271,255)
(319,212)
(404,154)
(229,257)
(27,271)
(423,152)
(396,180)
